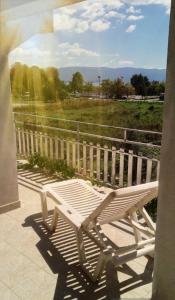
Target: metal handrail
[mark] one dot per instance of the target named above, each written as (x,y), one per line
(89,123)
(107,138)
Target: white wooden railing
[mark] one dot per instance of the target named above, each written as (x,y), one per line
(106,165)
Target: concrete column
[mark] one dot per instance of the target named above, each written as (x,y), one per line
(8,174)
(164,267)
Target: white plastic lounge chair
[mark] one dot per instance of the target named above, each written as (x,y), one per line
(85,210)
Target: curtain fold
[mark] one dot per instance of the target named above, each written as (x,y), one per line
(14,9)
(22,19)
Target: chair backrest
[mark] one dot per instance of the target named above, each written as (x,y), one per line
(122,201)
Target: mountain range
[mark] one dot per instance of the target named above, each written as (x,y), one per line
(91,74)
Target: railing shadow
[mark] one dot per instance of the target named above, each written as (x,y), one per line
(60,253)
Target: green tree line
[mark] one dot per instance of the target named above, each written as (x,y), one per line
(144,87)
(34,83)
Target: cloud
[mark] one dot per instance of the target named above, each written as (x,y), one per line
(126,63)
(111,14)
(135,18)
(74,49)
(35,52)
(115,14)
(165,3)
(131,28)
(100,25)
(65,54)
(93,11)
(64,22)
(133,10)
(88,15)
(83,16)
(82,26)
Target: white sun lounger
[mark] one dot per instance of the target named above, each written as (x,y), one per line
(86,210)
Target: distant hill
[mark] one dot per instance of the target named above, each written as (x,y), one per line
(91,73)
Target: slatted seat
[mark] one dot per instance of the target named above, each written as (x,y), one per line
(86,210)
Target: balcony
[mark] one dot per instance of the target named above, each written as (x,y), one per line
(37,265)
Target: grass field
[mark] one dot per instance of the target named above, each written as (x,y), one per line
(140,115)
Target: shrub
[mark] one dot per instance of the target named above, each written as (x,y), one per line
(49,166)
(152,209)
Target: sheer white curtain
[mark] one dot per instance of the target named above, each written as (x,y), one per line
(21,19)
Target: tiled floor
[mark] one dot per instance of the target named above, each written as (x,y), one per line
(37,265)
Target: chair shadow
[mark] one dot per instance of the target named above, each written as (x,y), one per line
(60,253)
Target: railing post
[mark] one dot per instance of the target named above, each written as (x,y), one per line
(19,141)
(32,141)
(68,152)
(130,167)
(62,149)
(105,163)
(36,142)
(56,148)
(98,161)
(46,145)
(113,168)
(84,158)
(139,169)
(78,157)
(121,171)
(51,147)
(23,143)
(74,154)
(28,141)
(78,131)
(41,143)
(125,135)
(149,170)
(91,155)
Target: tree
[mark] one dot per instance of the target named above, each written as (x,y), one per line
(53,82)
(77,83)
(37,83)
(118,88)
(129,89)
(141,84)
(156,88)
(63,90)
(107,86)
(88,88)
(18,80)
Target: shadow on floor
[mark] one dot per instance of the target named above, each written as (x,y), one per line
(60,253)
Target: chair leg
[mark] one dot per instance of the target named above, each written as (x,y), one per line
(80,245)
(44,207)
(147,219)
(53,225)
(101,264)
(54,221)
(137,233)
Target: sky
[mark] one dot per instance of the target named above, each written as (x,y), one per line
(102,33)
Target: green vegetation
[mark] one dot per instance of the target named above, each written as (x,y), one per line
(48,166)
(35,84)
(140,115)
(144,87)
(152,209)
(77,83)
(116,89)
